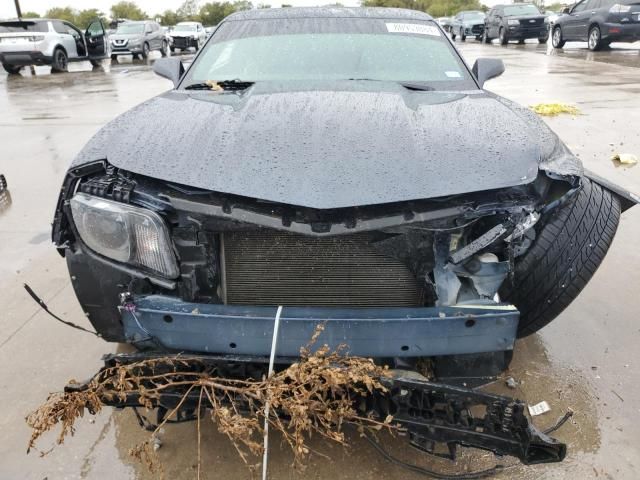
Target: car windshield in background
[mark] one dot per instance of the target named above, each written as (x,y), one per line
(6,27)
(127,28)
(328,49)
(473,16)
(184,28)
(514,10)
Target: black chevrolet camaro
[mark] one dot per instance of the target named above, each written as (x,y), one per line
(347,165)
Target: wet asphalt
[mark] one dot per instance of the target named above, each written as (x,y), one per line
(587,360)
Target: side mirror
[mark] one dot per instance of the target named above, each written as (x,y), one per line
(487,68)
(170,68)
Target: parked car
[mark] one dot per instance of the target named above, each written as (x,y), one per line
(50,42)
(519,21)
(598,22)
(187,35)
(138,39)
(445,23)
(468,24)
(359,178)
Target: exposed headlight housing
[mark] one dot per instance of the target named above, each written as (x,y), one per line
(127,234)
(513,22)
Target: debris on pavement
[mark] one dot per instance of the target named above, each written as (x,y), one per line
(625,159)
(539,408)
(511,382)
(553,109)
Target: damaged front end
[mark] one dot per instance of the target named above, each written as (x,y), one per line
(177,270)
(182,269)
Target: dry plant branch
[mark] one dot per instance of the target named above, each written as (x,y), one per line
(315,395)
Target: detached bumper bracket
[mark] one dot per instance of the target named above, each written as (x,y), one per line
(433,414)
(436,414)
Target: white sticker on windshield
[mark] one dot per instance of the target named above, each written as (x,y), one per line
(453,74)
(418,28)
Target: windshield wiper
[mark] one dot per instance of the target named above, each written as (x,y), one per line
(408,85)
(227,85)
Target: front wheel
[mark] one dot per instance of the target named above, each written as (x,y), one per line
(569,247)
(556,38)
(503,37)
(595,39)
(453,35)
(485,37)
(11,69)
(172,49)
(543,39)
(60,61)
(145,51)
(164,48)
(463,37)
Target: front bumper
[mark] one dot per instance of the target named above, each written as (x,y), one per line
(474,30)
(519,33)
(25,58)
(184,42)
(169,324)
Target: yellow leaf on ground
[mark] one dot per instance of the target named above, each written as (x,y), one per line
(553,109)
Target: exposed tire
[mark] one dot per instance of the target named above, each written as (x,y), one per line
(543,39)
(164,48)
(595,39)
(485,37)
(556,38)
(114,57)
(453,35)
(60,61)
(173,49)
(504,39)
(96,63)
(145,51)
(11,69)
(463,37)
(521,41)
(568,249)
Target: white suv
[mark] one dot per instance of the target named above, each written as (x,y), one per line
(50,42)
(188,34)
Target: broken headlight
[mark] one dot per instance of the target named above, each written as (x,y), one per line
(132,235)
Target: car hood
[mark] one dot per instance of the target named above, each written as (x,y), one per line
(183,34)
(471,23)
(330,149)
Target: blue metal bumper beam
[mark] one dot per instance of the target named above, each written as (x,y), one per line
(368,332)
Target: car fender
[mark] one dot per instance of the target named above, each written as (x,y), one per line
(627,198)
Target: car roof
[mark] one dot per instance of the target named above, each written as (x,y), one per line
(329,12)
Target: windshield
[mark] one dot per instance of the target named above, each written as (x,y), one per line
(23,27)
(184,28)
(127,28)
(318,49)
(473,16)
(521,10)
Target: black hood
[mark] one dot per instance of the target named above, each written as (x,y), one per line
(329,149)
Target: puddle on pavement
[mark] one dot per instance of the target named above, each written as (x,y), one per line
(539,378)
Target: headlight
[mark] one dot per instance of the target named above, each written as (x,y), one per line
(132,235)
(513,22)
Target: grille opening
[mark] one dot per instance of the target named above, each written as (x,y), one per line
(279,268)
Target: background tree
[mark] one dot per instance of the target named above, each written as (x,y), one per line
(128,10)
(436,8)
(189,11)
(169,18)
(30,15)
(85,17)
(61,13)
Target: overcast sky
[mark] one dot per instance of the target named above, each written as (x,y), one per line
(7,8)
